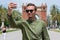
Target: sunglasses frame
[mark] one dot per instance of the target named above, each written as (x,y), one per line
(27,11)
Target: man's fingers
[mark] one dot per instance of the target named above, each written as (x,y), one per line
(12,5)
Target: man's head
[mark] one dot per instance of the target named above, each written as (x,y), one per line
(31,10)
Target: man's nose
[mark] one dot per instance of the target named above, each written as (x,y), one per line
(29,12)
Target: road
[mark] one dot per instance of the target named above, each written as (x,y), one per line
(54,35)
(17,35)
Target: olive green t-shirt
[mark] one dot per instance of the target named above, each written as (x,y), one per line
(31,31)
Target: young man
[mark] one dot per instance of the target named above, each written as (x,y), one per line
(32,29)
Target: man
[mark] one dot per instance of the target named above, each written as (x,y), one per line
(32,29)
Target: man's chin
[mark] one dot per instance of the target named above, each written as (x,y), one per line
(30,17)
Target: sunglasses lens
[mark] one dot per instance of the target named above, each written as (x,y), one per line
(29,11)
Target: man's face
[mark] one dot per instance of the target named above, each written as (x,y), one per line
(30,10)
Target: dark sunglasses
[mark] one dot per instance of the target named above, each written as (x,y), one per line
(27,11)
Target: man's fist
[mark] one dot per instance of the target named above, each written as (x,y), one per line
(12,6)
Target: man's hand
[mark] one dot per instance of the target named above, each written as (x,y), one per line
(10,7)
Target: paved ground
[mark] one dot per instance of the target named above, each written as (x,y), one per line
(54,35)
(17,35)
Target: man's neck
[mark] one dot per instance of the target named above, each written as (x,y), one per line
(31,19)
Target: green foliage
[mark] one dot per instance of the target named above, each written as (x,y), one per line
(55,12)
(3,14)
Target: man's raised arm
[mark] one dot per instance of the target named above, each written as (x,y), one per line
(14,24)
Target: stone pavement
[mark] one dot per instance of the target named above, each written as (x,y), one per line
(54,35)
(17,35)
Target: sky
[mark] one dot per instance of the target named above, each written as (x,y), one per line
(36,2)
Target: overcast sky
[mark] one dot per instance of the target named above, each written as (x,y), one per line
(36,2)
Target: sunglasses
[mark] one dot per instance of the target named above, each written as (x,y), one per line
(27,11)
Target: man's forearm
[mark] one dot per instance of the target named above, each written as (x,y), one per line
(9,11)
(11,21)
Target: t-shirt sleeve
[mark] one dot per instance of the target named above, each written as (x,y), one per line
(13,23)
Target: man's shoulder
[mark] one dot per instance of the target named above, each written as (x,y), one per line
(40,21)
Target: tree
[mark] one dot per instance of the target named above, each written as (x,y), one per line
(3,15)
(55,12)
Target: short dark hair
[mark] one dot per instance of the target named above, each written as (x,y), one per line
(31,4)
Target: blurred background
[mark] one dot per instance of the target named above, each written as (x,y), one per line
(47,10)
